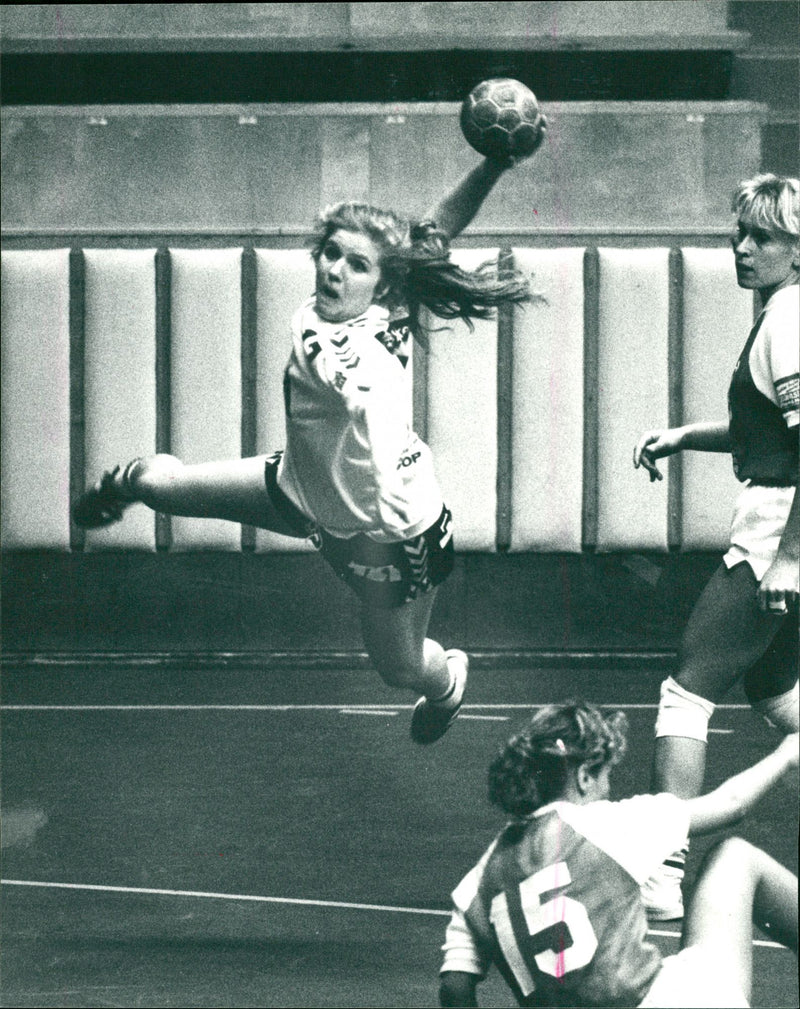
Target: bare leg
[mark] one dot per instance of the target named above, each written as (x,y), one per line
(232,489)
(725,636)
(397,643)
(739,884)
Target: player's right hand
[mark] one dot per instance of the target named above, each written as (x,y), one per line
(512,160)
(654,445)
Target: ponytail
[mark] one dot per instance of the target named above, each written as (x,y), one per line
(421,274)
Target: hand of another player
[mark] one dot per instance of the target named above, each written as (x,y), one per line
(654,445)
(780,587)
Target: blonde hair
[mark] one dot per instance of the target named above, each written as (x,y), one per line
(416,268)
(771,202)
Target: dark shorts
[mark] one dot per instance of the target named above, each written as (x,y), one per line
(385,575)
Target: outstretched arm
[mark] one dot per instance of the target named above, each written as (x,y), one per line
(737,796)
(458,208)
(701,437)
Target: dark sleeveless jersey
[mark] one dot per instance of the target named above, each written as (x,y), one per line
(763,447)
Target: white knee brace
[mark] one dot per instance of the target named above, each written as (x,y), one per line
(682,713)
(781,711)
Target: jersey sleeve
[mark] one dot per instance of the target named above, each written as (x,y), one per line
(777,358)
(464,950)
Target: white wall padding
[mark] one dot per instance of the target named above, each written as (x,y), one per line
(547,422)
(35,400)
(206,386)
(462,420)
(633,395)
(717,316)
(120,379)
(285,278)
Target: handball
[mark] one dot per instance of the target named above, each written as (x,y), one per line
(500,118)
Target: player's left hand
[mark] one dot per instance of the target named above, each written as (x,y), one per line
(780,587)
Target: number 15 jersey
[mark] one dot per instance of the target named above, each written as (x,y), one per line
(555,902)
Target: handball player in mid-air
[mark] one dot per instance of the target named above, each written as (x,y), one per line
(353,476)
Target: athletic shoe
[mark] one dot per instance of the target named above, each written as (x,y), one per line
(431,719)
(661,894)
(101,505)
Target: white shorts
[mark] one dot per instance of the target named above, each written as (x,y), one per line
(695,978)
(759,519)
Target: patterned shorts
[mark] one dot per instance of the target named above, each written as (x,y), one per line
(385,575)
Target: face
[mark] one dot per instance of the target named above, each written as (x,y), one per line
(348,276)
(765,260)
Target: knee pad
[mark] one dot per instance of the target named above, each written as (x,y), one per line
(682,713)
(781,712)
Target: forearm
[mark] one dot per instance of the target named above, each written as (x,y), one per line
(789,546)
(458,209)
(706,436)
(737,796)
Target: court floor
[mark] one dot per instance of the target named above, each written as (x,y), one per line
(222,835)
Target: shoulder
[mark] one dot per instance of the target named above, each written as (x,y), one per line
(639,814)
(782,314)
(396,335)
(467,889)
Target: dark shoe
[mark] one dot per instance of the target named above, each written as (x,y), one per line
(432,719)
(101,505)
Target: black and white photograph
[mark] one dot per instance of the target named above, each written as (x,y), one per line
(400,551)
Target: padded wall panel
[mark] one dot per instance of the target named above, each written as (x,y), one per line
(547,423)
(717,316)
(285,280)
(462,420)
(34,499)
(632,394)
(206,386)
(120,378)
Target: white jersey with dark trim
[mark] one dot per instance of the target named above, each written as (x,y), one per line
(352,462)
(555,902)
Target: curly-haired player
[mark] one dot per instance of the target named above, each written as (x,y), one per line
(353,475)
(555,902)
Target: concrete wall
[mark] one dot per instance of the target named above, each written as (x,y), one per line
(608,165)
(360,25)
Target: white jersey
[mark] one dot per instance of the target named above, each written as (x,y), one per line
(352,462)
(555,902)
(775,353)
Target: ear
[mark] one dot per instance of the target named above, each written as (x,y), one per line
(584,779)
